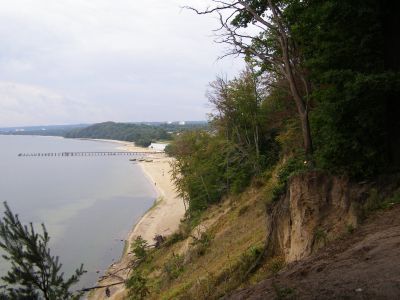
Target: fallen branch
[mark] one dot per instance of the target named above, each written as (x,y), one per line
(101,286)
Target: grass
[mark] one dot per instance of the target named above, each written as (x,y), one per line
(320,236)
(376,202)
(217,261)
(283,292)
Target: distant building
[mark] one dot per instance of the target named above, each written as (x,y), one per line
(158,146)
(182,123)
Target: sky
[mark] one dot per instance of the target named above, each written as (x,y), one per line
(87,61)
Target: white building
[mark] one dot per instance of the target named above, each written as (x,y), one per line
(158,146)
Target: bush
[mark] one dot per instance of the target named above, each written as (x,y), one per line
(247,261)
(201,244)
(376,202)
(294,165)
(350,129)
(174,238)
(278,191)
(137,285)
(139,246)
(174,267)
(276,264)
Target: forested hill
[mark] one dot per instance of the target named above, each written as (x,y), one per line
(141,134)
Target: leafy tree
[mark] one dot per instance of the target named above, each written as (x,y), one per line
(271,47)
(35,273)
(137,285)
(240,145)
(139,246)
(356,84)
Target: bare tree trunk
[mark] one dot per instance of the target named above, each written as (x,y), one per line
(303,115)
(289,73)
(285,63)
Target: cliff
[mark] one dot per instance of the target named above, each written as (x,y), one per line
(315,209)
(249,239)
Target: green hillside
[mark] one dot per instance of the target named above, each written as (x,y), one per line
(141,134)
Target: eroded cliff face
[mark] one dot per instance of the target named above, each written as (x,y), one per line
(316,208)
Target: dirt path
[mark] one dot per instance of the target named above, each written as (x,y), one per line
(362,265)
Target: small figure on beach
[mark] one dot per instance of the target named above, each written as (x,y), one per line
(108,292)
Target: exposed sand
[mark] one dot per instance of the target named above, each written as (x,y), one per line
(164,218)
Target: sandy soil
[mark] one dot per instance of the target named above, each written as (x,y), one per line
(362,265)
(164,218)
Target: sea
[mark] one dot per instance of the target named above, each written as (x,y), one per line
(88,204)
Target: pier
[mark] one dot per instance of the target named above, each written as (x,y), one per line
(73,154)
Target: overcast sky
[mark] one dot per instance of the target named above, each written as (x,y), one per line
(83,61)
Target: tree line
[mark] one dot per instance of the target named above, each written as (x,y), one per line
(320,90)
(143,135)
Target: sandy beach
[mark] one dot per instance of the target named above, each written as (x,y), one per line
(163,218)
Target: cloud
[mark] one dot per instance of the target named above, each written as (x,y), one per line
(24,104)
(128,56)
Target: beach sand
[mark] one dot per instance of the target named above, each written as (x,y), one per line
(163,219)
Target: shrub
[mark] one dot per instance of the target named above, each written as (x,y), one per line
(201,244)
(247,261)
(321,236)
(276,264)
(139,246)
(294,165)
(174,238)
(137,285)
(376,202)
(174,267)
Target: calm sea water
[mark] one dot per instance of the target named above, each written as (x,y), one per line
(88,204)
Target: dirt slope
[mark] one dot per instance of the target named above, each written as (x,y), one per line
(361,265)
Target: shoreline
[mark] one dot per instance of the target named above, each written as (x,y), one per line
(162,218)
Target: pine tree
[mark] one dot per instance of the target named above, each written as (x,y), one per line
(35,273)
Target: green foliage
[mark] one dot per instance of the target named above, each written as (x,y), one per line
(278,190)
(284,292)
(293,166)
(375,202)
(202,243)
(141,134)
(349,123)
(139,247)
(206,168)
(211,165)
(173,239)
(350,228)
(137,286)
(247,262)
(320,236)
(35,273)
(276,264)
(355,88)
(173,267)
